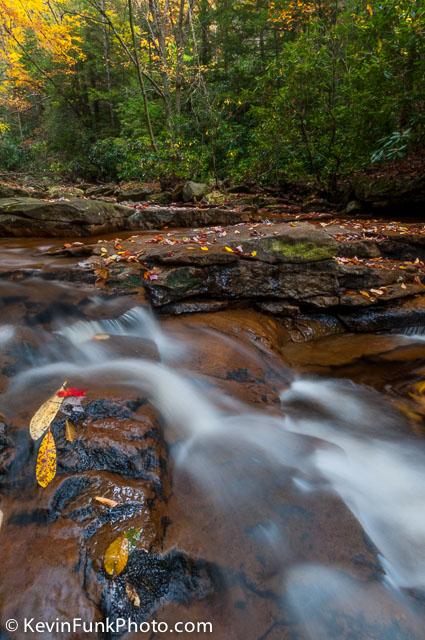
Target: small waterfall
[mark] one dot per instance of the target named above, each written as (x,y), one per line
(416,333)
(332,436)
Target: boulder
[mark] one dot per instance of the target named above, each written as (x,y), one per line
(391,194)
(65,192)
(163,197)
(134,192)
(98,190)
(193,191)
(215,197)
(29,217)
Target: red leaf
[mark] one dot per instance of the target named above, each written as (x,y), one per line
(72,392)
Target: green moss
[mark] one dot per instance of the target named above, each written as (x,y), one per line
(302,251)
(182,279)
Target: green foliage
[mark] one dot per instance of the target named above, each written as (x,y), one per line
(392,147)
(12,155)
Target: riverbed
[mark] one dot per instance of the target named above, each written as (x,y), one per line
(273,487)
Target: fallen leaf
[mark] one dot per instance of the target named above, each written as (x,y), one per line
(44,416)
(253,253)
(420,387)
(1,518)
(377,292)
(70,432)
(204,249)
(132,595)
(116,556)
(403,286)
(72,392)
(106,501)
(228,249)
(101,336)
(102,274)
(45,469)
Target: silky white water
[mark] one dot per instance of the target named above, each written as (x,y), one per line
(330,436)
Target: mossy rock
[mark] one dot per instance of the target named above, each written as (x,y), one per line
(302,243)
(301,251)
(182,279)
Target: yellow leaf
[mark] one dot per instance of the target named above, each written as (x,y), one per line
(116,556)
(106,501)
(253,253)
(44,416)
(132,595)
(204,248)
(369,9)
(229,249)
(365,294)
(102,274)
(46,460)
(420,387)
(70,432)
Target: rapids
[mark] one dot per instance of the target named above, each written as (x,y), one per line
(306,492)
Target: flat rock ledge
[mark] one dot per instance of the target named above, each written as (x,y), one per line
(290,270)
(81,217)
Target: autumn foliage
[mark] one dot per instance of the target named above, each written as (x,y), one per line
(260,90)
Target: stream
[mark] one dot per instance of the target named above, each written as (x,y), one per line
(272,488)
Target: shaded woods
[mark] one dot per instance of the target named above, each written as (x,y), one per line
(255,90)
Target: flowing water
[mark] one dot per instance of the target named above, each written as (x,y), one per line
(288,470)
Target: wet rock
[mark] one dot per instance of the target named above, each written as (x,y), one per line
(279,307)
(410,313)
(6,449)
(158,579)
(305,328)
(195,306)
(74,217)
(243,280)
(193,191)
(152,217)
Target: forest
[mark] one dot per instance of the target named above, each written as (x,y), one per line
(212,319)
(269,92)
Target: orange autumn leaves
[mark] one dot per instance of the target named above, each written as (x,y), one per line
(40,423)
